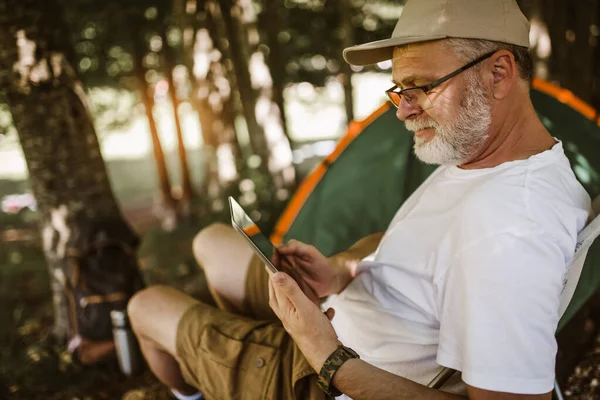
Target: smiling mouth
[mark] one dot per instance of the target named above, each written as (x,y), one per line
(424,131)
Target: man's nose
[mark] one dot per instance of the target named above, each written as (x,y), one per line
(406,111)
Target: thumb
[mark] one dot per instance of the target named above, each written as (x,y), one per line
(286,287)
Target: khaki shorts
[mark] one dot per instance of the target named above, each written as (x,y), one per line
(249,356)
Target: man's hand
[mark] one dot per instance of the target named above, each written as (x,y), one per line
(323,274)
(303,320)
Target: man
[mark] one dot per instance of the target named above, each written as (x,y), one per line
(468,274)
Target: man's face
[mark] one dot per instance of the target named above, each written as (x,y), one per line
(456,125)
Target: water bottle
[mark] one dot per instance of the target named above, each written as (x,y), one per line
(126,345)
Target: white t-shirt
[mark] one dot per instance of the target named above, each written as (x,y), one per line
(468,276)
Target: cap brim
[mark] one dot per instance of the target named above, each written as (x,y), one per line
(381,50)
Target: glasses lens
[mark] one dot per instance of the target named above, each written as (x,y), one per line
(395,98)
(417,98)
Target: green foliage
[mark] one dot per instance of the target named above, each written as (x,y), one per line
(99,34)
(311,35)
(103,35)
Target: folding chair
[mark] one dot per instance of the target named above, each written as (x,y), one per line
(584,240)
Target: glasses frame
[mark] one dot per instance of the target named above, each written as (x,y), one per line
(427,88)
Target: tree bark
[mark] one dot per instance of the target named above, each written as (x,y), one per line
(131,19)
(572,60)
(213,104)
(157,150)
(49,110)
(596,61)
(275,59)
(347,40)
(186,182)
(213,94)
(261,114)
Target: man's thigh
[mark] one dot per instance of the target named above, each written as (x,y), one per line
(236,276)
(256,301)
(224,255)
(227,356)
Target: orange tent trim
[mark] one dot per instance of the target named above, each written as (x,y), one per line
(567,97)
(355,128)
(310,182)
(252,230)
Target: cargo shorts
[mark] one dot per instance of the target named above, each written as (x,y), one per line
(243,354)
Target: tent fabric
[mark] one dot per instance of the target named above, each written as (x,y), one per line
(358,188)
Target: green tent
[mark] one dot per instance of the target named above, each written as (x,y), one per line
(358,188)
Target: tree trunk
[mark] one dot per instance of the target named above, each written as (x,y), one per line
(166,204)
(275,59)
(570,28)
(213,104)
(213,89)
(596,85)
(49,110)
(166,201)
(186,182)
(261,114)
(347,40)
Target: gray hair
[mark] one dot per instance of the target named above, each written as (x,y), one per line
(469,49)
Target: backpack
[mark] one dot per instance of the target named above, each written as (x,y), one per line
(102,275)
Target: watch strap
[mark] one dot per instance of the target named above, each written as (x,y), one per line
(331,366)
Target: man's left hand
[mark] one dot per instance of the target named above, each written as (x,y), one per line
(310,328)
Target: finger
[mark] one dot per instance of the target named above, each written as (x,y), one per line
(268,271)
(273,298)
(275,258)
(294,247)
(282,260)
(285,261)
(330,313)
(283,304)
(286,289)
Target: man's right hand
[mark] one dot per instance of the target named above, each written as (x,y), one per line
(324,275)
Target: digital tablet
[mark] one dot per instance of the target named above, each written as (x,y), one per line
(242,223)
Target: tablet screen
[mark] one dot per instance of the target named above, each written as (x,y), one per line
(242,222)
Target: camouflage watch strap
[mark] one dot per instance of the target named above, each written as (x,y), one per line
(331,366)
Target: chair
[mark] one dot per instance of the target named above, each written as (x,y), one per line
(585,238)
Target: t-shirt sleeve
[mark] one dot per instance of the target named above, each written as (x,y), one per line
(499,305)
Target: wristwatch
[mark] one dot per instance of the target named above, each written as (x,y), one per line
(331,366)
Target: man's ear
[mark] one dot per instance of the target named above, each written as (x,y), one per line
(505,73)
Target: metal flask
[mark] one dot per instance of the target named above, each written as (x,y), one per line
(128,352)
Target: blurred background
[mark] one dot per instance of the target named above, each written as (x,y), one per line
(151,112)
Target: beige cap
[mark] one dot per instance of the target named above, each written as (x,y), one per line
(424,20)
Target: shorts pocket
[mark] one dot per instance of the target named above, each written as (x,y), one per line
(231,368)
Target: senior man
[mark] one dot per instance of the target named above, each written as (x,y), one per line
(467,276)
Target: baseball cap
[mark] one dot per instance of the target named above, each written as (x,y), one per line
(425,20)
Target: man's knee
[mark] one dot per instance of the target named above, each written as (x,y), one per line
(140,305)
(204,242)
(155,313)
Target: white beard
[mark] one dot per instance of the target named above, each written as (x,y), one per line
(457,141)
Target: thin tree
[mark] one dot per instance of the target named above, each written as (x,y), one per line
(211,98)
(254,84)
(166,199)
(169,66)
(347,40)
(275,57)
(214,96)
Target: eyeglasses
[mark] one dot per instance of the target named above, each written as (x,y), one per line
(417,97)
